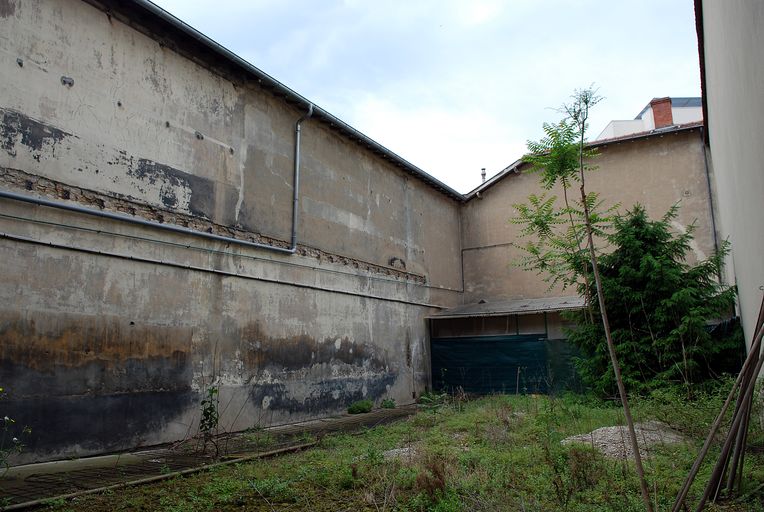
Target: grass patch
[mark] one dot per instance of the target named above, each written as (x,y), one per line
(497,453)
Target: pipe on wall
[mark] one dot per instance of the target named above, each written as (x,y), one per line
(141,222)
(296,185)
(180,229)
(210,270)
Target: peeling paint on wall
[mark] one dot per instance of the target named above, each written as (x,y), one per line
(177,188)
(110,331)
(38,137)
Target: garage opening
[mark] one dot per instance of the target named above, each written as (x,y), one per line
(503,347)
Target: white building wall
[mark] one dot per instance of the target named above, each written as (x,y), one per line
(734,39)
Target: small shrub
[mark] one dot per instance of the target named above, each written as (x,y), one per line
(388,403)
(433,401)
(208,423)
(362,406)
(263,440)
(659,308)
(210,418)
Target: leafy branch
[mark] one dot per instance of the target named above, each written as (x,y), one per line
(562,254)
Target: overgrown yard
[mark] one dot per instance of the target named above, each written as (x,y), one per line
(497,453)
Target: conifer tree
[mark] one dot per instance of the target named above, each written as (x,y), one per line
(659,308)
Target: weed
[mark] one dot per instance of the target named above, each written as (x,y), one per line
(306,438)
(433,401)
(432,478)
(275,489)
(362,406)
(210,416)
(10,442)
(55,502)
(497,453)
(388,403)
(261,438)
(374,456)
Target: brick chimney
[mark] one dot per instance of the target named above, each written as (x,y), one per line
(662,112)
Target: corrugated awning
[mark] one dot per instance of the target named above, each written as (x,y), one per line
(512,307)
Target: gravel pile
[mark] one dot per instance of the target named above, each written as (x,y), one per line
(406,453)
(614,441)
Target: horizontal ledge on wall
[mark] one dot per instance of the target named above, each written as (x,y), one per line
(140,259)
(365,275)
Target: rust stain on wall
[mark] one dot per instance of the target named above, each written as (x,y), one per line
(78,354)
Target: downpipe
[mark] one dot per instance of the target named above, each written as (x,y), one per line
(296,184)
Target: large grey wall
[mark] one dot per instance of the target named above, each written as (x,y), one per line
(110,332)
(733,34)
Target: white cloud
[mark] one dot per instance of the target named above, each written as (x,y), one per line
(455,85)
(452,144)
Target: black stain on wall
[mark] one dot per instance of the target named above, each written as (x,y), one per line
(202,200)
(284,358)
(19,131)
(7,8)
(101,423)
(325,396)
(90,383)
(17,128)
(132,375)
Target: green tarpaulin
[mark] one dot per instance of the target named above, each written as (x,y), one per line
(502,364)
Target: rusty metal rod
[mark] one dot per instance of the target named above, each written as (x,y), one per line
(740,441)
(736,470)
(755,347)
(157,478)
(715,480)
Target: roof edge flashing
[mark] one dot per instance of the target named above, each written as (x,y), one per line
(267,82)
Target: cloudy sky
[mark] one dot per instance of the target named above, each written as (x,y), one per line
(456,85)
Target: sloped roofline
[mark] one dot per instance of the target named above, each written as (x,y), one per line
(516,166)
(168,30)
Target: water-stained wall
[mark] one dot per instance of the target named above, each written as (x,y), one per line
(110,332)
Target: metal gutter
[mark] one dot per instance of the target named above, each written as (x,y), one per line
(514,167)
(711,194)
(129,9)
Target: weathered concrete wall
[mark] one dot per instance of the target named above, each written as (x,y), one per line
(109,331)
(733,35)
(655,172)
